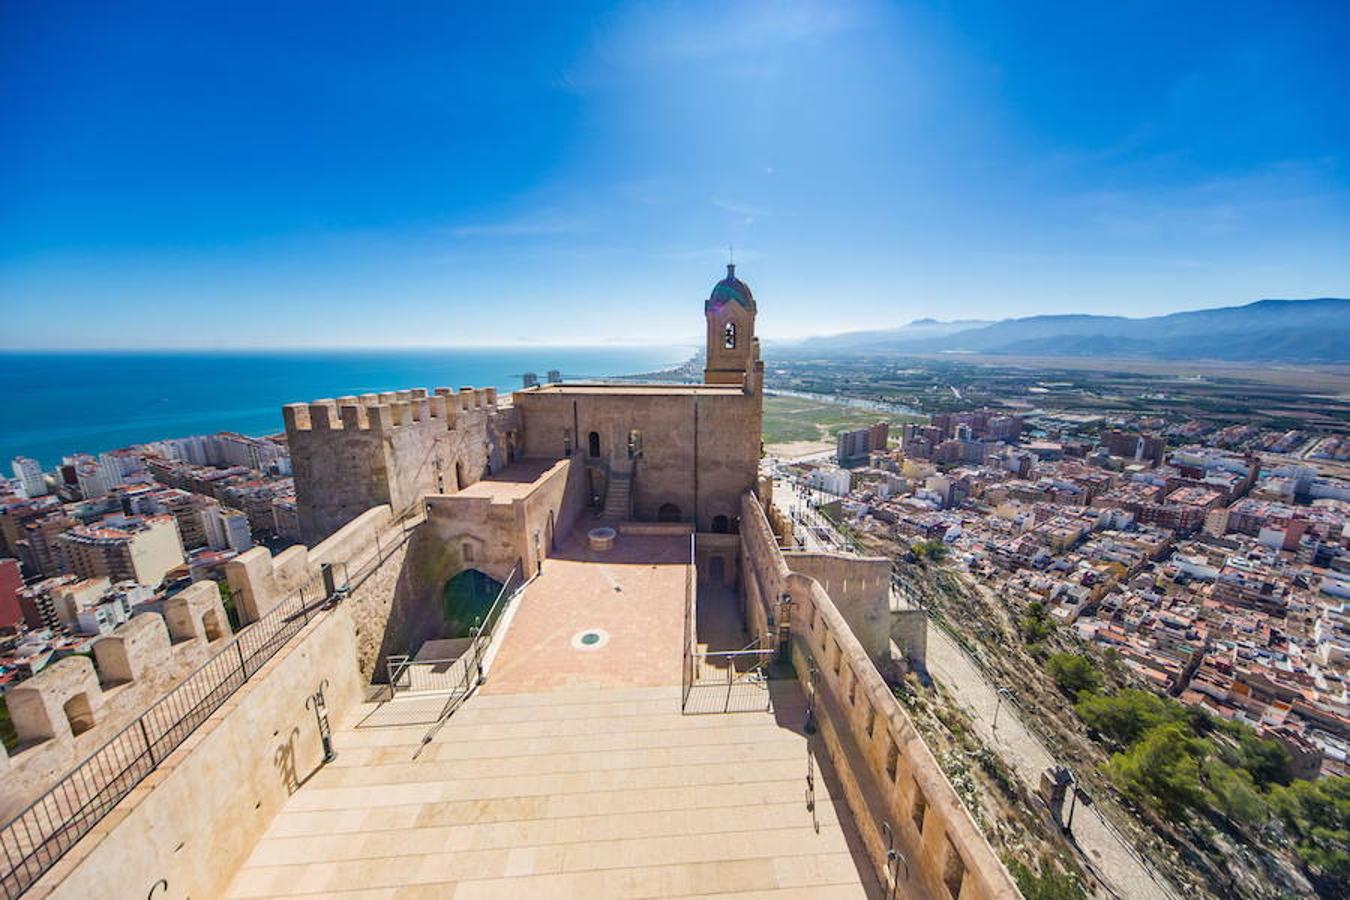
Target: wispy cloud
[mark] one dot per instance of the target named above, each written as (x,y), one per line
(535,225)
(744,210)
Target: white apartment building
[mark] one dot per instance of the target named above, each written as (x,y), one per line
(226,529)
(29,474)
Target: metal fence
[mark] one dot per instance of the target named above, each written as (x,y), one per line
(470,665)
(41,834)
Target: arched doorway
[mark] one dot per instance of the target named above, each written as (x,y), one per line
(717,570)
(465,601)
(668,512)
(720,525)
(593,445)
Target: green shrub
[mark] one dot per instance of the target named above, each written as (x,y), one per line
(1073,673)
(1126,716)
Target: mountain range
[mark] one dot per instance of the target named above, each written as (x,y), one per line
(1316,330)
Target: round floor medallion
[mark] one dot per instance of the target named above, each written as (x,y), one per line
(590,639)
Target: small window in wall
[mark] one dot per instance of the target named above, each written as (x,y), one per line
(720,525)
(668,512)
(593,445)
(954,872)
(838,658)
(892,760)
(919,809)
(468,552)
(729,336)
(852,687)
(871,720)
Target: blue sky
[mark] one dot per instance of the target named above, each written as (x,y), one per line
(328,173)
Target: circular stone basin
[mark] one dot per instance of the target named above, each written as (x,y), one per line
(602,539)
(590,639)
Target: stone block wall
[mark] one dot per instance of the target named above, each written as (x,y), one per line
(700,448)
(134,647)
(887,771)
(353,453)
(860,587)
(196,820)
(197,614)
(70,708)
(58,703)
(259,581)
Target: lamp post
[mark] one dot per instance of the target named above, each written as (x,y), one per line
(1002,693)
(1073,803)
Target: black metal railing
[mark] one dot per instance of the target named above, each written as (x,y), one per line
(32,841)
(470,664)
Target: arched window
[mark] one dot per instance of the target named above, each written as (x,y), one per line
(720,525)
(668,512)
(593,444)
(729,336)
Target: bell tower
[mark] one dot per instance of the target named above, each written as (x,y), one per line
(733,349)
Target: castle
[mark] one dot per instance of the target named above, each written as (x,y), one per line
(557,644)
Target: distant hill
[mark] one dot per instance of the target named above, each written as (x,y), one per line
(1265,331)
(918,330)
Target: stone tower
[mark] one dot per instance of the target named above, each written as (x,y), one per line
(733,350)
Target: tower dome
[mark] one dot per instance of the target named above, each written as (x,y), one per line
(730,289)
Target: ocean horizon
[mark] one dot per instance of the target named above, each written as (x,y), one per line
(61,402)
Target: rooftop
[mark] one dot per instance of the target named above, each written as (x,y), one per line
(580,387)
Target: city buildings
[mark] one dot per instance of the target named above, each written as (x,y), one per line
(852,447)
(28,472)
(142,549)
(226,529)
(11,583)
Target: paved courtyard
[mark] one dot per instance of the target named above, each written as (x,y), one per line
(578,793)
(572,773)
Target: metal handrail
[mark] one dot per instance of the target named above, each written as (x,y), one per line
(37,837)
(482,633)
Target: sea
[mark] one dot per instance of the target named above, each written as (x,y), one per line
(58,403)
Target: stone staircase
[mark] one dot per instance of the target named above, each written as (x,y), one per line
(577,793)
(618,497)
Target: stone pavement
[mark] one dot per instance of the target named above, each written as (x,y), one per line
(572,773)
(631,598)
(581,792)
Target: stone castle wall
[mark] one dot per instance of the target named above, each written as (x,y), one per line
(860,587)
(887,771)
(354,453)
(133,666)
(700,449)
(199,816)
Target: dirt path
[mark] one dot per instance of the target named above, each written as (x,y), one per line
(1117,865)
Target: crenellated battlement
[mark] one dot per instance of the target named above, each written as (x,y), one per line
(392,409)
(355,452)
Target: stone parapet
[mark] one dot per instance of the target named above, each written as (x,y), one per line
(57,703)
(889,774)
(197,614)
(133,648)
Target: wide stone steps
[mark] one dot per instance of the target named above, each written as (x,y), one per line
(572,793)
